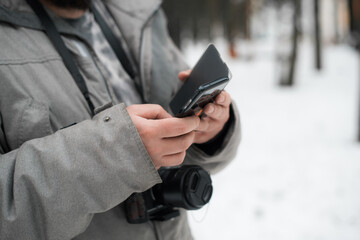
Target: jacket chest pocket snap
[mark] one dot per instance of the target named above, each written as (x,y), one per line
(34,122)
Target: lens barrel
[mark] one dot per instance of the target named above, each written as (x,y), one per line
(187,187)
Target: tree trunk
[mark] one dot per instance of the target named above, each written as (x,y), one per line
(247,14)
(336,22)
(358,136)
(289,80)
(300,24)
(354,13)
(351,15)
(318,49)
(225,6)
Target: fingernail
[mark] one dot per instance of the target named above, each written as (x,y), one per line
(210,109)
(221,99)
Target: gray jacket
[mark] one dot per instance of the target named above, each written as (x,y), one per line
(65,183)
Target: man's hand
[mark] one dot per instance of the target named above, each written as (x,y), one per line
(217,114)
(166,139)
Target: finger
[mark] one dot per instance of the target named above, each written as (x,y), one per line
(184,75)
(173,159)
(223,99)
(148,111)
(201,137)
(172,127)
(204,125)
(178,144)
(216,111)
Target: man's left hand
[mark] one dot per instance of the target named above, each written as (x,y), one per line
(216,115)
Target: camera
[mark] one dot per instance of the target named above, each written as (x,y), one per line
(187,187)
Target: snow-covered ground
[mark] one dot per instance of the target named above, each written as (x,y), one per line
(297,172)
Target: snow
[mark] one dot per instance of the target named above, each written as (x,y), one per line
(297,171)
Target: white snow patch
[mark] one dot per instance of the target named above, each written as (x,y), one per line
(297,172)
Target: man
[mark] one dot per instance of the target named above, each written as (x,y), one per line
(64,174)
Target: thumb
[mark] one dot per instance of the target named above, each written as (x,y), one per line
(148,111)
(183,75)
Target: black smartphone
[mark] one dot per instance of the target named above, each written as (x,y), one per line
(206,80)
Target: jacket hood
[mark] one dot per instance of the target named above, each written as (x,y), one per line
(19,13)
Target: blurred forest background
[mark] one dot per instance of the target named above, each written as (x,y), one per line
(296,82)
(333,22)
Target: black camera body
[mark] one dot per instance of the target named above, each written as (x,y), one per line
(187,187)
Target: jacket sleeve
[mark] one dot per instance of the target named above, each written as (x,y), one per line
(50,187)
(226,151)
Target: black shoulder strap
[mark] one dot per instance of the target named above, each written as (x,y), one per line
(59,44)
(113,41)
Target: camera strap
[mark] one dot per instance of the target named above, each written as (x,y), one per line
(59,44)
(55,38)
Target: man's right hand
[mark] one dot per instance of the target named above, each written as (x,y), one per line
(166,138)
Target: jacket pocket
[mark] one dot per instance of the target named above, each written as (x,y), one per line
(34,121)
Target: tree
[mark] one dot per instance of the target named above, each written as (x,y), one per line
(336,22)
(288,80)
(355,23)
(354,13)
(358,137)
(318,50)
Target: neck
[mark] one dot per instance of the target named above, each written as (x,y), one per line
(63,12)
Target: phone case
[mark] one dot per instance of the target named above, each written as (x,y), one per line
(208,69)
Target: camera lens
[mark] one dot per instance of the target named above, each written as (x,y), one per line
(187,187)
